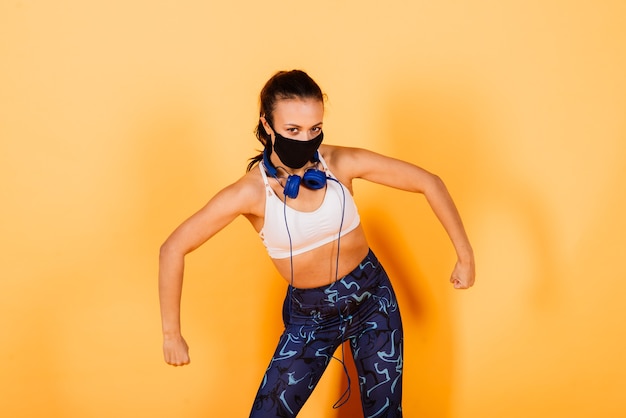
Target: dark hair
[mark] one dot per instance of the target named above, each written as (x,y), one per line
(294,84)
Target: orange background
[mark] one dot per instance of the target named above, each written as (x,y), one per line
(118,119)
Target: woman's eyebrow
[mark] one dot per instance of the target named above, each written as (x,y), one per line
(295,125)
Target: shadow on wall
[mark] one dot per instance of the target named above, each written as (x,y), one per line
(441,130)
(415,250)
(447,132)
(454,133)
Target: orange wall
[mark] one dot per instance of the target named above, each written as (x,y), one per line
(118,119)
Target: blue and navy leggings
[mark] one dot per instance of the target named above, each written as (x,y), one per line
(360,308)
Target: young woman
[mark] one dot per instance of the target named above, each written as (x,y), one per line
(297,194)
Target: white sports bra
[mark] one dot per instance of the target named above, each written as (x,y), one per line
(287,232)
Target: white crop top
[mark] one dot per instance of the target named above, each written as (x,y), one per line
(308,230)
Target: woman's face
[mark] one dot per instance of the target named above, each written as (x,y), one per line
(299,119)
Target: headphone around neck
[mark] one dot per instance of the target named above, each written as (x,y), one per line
(313,178)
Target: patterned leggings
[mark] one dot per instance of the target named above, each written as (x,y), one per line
(362,308)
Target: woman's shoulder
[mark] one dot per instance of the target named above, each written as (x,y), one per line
(342,159)
(330,152)
(251,182)
(246,192)
(335,154)
(253,186)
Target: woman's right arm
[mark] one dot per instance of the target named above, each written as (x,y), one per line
(221,210)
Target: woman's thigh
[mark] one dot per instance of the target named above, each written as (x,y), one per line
(378,357)
(295,369)
(376,341)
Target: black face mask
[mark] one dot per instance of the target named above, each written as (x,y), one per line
(294,153)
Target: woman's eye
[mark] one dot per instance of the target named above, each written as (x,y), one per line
(317,129)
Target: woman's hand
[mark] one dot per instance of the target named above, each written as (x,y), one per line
(175,350)
(463,275)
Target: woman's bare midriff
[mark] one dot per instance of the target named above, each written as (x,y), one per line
(319,267)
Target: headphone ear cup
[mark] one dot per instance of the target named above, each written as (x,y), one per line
(292,186)
(314,179)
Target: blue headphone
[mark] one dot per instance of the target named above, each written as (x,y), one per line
(313,178)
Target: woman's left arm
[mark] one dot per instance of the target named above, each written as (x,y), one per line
(367,165)
(444,208)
